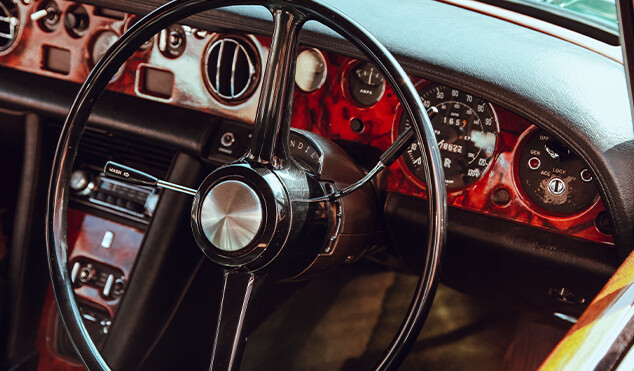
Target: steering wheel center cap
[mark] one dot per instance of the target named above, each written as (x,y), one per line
(231,215)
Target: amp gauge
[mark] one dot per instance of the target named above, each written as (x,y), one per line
(553,177)
(366,84)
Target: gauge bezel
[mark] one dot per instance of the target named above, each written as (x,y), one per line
(90,46)
(517,182)
(420,85)
(324,74)
(345,85)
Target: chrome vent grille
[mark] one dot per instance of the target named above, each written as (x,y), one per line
(231,68)
(9,23)
(99,146)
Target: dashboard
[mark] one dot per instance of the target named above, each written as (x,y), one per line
(498,163)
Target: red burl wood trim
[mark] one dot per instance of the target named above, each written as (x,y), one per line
(85,233)
(329,110)
(27,55)
(121,255)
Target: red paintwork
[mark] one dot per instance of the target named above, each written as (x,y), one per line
(84,236)
(328,112)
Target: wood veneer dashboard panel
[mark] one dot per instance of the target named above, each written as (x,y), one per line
(88,232)
(85,236)
(327,111)
(330,110)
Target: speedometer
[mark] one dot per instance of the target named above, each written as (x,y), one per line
(466,129)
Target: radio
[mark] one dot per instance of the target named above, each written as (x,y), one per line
(90,187)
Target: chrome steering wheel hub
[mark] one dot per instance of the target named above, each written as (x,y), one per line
(231,215)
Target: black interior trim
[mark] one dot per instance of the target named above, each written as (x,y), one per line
(505,261)
(151,120)
(27,262)
(167,259)
(626,20)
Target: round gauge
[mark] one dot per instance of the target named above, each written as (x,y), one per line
(553,177)
(102,42)
(466,129)
(366,84)
(311,70)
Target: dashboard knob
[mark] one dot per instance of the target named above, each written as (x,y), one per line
(79,182)
(86,273)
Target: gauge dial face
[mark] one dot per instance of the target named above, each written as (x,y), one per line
(553,177)
(466,129)
(311,70)
(366,84)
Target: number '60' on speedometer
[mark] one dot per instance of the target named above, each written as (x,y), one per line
(466,129)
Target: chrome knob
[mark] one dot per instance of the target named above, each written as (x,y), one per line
(79,181)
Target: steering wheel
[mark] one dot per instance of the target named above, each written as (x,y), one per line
(268,184)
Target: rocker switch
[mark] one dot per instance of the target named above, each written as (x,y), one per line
(75,271)
(107,288)
(106,242)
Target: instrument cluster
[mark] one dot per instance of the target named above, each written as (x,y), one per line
(487,151)
(495,162)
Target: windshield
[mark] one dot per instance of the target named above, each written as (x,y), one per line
(593,11)
(595,18)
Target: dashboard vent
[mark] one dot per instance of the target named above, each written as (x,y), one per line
(99,146)
(9,23)
(231,68)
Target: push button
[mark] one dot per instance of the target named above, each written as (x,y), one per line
(585,175)
(227,139)
(534,163)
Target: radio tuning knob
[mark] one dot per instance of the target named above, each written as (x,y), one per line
(80,182)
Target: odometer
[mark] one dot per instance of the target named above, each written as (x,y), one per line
(466,129)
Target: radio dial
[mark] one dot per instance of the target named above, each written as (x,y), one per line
(80,182)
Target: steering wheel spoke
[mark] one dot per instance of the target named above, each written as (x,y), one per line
(239,292)
(269,144)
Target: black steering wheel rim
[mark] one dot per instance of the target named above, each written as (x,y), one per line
(98,79)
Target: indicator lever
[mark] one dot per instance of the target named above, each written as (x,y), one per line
(127,174)
(385,160)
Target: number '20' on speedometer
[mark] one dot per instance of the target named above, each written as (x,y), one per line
(466,129)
